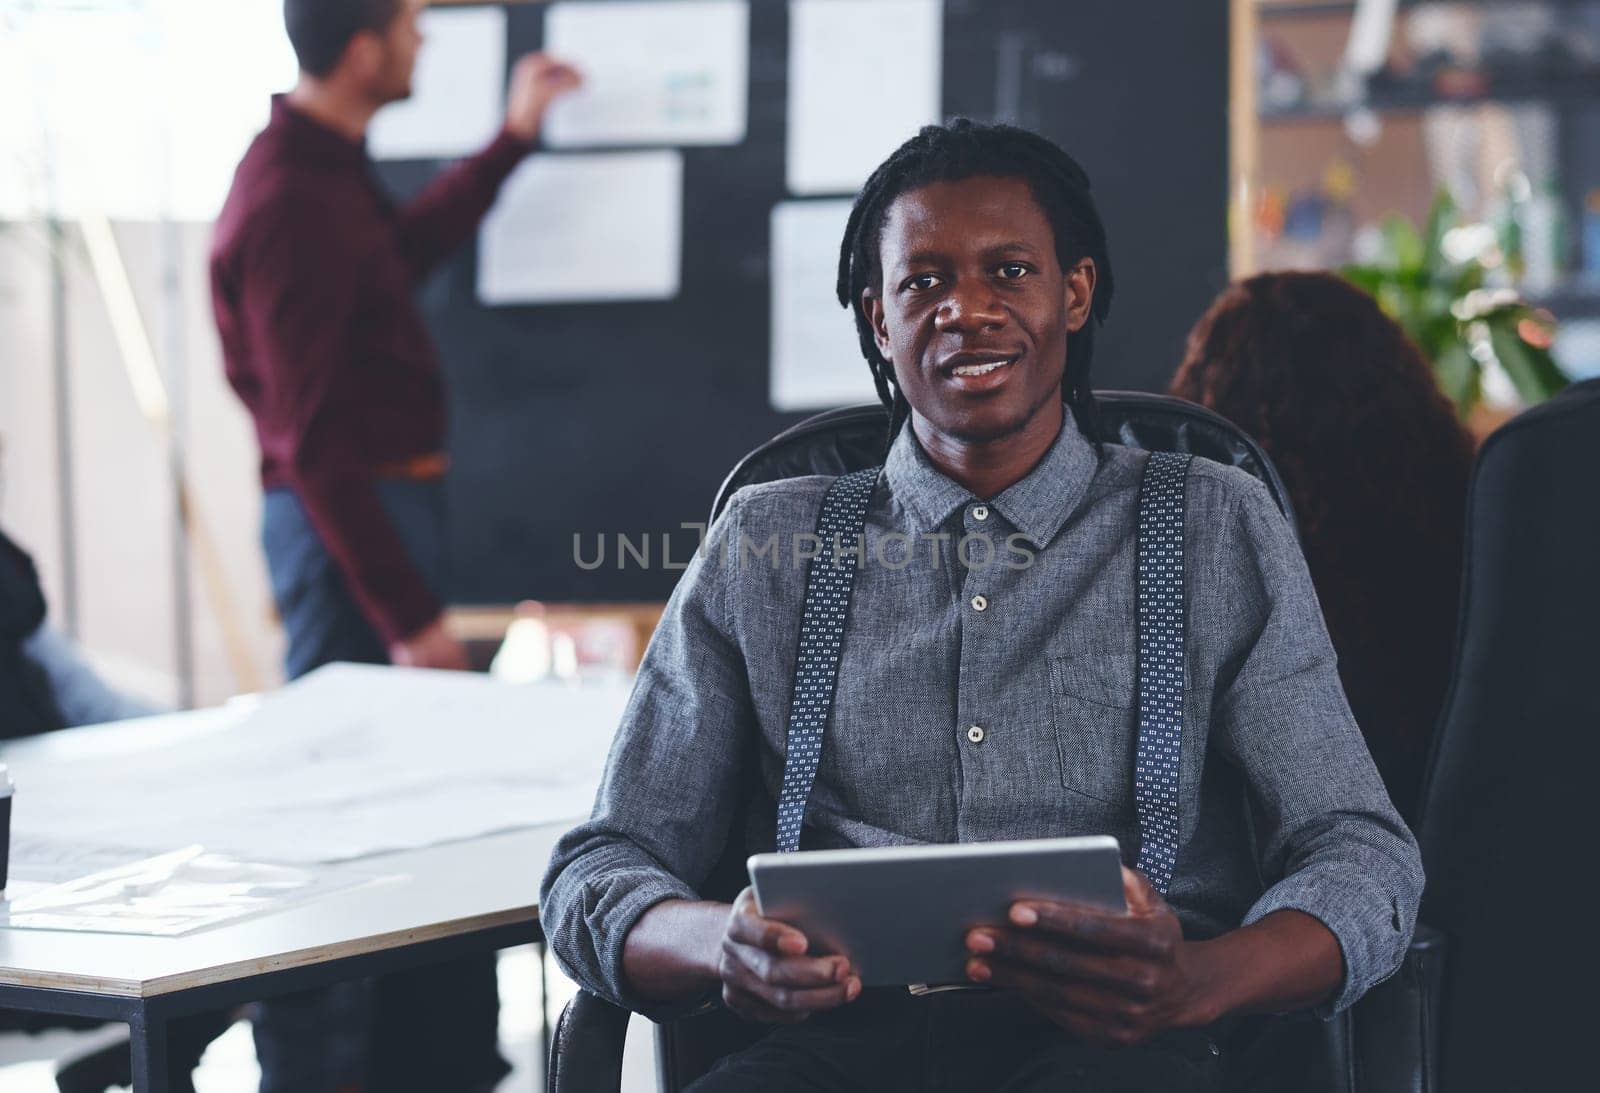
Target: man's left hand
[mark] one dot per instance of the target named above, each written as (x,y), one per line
(1106,976)
(537,80)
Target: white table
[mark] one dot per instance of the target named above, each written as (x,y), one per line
(471,896)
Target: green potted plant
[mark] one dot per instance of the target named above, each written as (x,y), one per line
(1436,284)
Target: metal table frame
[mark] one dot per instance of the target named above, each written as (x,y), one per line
(147,1017)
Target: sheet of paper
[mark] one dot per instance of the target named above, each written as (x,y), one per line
(457,101)
(816,359)
(864,75)
(654,72)
(171,894)
(37,863)
(349,761)
(571,227)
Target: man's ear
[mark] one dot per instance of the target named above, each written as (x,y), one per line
(872,308)
(1078,293)
(363,57)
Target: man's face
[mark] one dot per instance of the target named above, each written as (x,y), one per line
(397,59)
(974,310)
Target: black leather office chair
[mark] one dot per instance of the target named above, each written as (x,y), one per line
(853,437)
(1508,813)
(586,1052)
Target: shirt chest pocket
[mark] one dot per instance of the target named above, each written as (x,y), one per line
(1097,726)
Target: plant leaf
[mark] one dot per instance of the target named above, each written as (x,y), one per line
(1533,371)
(1405,246)
(1367,278)
(1443,215)
(1457,374)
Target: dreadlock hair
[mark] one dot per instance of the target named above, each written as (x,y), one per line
(968,149)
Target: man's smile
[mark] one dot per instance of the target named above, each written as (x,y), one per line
(972,371)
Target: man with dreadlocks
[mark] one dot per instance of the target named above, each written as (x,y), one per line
(983,701)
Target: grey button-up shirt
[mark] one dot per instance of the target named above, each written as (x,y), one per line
(986,692)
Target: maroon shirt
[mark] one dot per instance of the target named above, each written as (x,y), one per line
(312,276)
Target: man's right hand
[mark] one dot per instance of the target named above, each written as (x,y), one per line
(537,80)
(766,974)
(430,647)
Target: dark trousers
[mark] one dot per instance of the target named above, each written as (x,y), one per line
(426,1030)
(890,1041)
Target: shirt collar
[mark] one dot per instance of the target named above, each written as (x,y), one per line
(312,138)
(1036,504)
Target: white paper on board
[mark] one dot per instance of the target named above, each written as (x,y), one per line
(816,358)
(662,72)
(569,228)
(864,75)
(457,102)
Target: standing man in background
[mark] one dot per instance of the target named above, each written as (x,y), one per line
(312,272)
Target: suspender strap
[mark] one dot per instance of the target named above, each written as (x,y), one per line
(1161,676)
(829,584)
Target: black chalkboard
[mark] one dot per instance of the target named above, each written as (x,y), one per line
(623,417)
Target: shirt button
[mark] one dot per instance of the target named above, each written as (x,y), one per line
(975,734)
(980,512)
(979,603)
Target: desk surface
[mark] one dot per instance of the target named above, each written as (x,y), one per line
(440,892)
(422,895)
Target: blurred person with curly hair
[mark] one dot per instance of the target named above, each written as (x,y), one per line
(1376,465)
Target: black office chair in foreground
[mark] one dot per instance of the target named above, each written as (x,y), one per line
(1508,816)
(586,1053)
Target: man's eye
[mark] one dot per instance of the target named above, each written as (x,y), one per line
(1013,271)
(922,282)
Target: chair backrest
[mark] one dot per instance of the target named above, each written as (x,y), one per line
(1508,810)
(848,439)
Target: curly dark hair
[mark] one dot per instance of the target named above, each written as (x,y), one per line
(1376,464)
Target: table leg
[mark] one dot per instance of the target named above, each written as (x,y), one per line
(147,1035)
(544,1015)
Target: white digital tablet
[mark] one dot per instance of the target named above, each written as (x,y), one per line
(901,913)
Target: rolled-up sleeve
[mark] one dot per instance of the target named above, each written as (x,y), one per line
(662,815)
(1326,830)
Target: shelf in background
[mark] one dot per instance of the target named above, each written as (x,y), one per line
(1578,89)
(1294,9)
(1579,298)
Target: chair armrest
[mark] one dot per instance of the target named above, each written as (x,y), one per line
(586,1051)
(1394,1030)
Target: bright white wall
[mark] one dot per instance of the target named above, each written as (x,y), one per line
(136,110)
(121,492)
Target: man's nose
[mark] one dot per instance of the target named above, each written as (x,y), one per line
(970,307)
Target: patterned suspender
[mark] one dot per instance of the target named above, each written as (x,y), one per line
(827,609)
(1161,684)
(1160,592)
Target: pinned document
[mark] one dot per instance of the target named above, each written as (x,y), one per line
(816,356)
(661,72)
(457,102)
(570,228)
(864,75)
